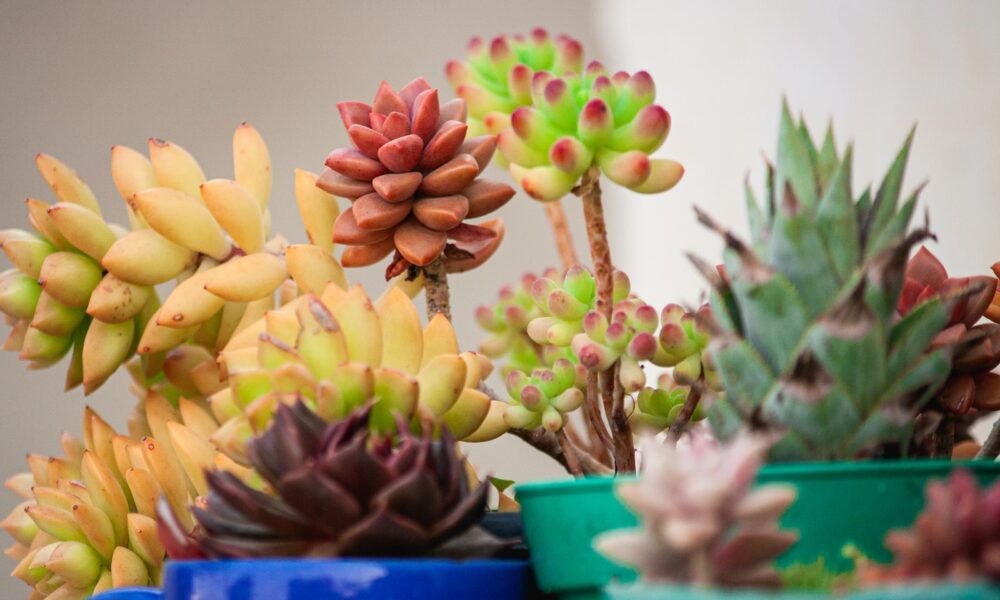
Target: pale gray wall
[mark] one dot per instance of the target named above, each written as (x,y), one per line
(79,77)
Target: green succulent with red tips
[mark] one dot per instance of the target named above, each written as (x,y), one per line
(565,303)
(544,398)
(507,322)
(628,337)
(656,408)
(495,77)
(684,339)
(576,121)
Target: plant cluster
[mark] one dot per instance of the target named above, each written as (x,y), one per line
(283,412)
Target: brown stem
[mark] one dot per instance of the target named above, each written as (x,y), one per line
(436,290)
(560,229)
(991,447)
(589,190)
(571,457)
(548,444)
(679,426)
(592,410)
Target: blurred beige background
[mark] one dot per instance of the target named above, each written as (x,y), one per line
(79,77)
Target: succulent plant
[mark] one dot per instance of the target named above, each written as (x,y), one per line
(87,523)
(337,491)
(544,398)
(506,323)
(575,121)
(956,537)
(85,285)
(808,342)
(656,408)
(337,352)
(565,301)
(702,524)
(684,338)
(411,175)
(628,338)
(495,78)
(971,384)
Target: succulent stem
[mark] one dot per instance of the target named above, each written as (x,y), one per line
(679,425)
(604,443)
(560,229)
(589,190)
(991,447)
(436,290)
(571,457)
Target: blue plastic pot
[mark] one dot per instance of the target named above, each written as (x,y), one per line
(345,579)
(132,593)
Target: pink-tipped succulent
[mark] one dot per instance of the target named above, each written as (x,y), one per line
(593,118)
(495,77)
(956,537)
(684,340)
(544,398)
(702,522)
(412,178)
(628,337)
(971,386)
(564,304)
(656,408)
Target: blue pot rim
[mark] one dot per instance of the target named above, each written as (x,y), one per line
(423,563)
(801,470)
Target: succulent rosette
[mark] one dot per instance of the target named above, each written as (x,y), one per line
(87,522)
(338,351)
(544,398)
(956,537)
(594,118)
(86,287)
(703,522)
(684,339)
(336,490)
(971,384)
(412,177)
(495,77)
(565,302)
(656,408)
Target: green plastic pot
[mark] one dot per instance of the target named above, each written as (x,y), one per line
(980,591)
(839,503)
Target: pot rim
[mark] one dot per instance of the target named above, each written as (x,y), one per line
(804,470)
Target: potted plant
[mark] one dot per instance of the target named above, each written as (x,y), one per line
(706,533)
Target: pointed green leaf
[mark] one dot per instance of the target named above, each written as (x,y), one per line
(887,197)
(912,334)
(858,365)
(807,141)
(744,375)
(929,372)
(823,426)
(758,226)
(797,251)
(774,317)
(837,220)
(793,163)
(896,228)
(828,162)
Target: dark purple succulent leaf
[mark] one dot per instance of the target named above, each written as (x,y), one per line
(329,506)
(415,496)
(227,489)
(383,533)
(176,540)
(237,547)
(357,470)
(463,515)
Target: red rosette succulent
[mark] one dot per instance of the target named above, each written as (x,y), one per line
(971,385)
(413,180)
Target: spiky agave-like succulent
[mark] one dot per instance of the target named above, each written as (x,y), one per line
(971,384)
(495,78)
(702,524)
(337,352)
(809,343)
(956,537)
(84,284)
(412,178)
(576,121)
(337,491)
(87,522)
